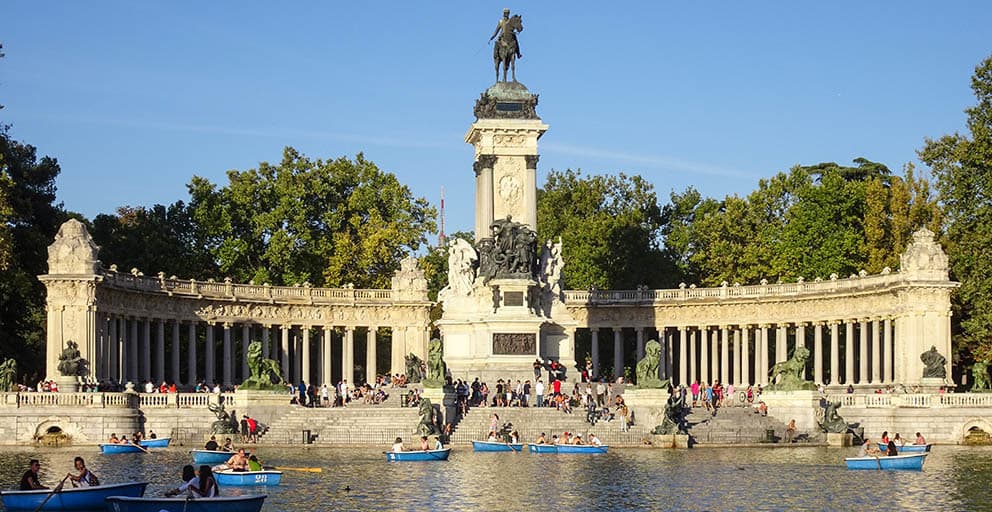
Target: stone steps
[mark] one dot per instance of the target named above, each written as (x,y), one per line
(343,425)
(732,425)
(530,422)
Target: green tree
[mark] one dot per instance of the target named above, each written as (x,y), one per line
(30,218)
(157,239)
(326,222)
(608,226)
(962,167)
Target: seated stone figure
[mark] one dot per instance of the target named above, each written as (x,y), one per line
(832,421)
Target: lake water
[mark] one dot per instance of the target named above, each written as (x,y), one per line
(954,478)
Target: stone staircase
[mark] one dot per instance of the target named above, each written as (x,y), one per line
(732,425)
(531,421)
(359,425)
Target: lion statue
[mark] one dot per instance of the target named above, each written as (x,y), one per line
(435,364)
(788,375)
(265,373)
(427,425)
(413,373)
(647,368)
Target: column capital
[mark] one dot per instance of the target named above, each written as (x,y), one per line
(483,162)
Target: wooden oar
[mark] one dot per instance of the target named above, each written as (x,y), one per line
(879,462)
(57,488)
(287,468)
(142,448)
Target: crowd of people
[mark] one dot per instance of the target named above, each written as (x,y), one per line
(136,437)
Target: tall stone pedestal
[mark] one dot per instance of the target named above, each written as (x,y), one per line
(647,405)
(842,440)
(67,384)
(801,406)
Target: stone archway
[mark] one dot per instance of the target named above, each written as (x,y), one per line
(976,431)
(56,430)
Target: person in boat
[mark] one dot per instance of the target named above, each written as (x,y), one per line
(113,439)
(423,443)
(189,481)
(885,437)
(398,445)
(540,439)
(211,444)
(891,449)
(124,440)
(228,445)
(29,480)
(555,441)
(85,478)
(578,440)
(437,444)
(152,434)
(253,463)
(920,439)
(238,461)
(492,437)
(900,442)
(869,449)
(207,484)
(593,440)
(514,437)
(137,437)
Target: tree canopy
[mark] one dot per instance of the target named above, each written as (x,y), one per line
(323,222)
(962,167)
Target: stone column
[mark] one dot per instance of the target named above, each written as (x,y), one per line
(266,339)
(640,342)
(669,353)
(325,356)
(146,350)
(818,352)
(692,357)
(704,354)
(800,335)
(483,168)
(849,352)
(227,355)
(617,352)
(683,358)
(348,355)
(834,353)
(530,183)
(762,376)
(210,366)
(175,352)
(160,352)
(781,343)
(245,341)
(284,352)
(715,351)
(305,351)
(296,340)
(132,352)
(863,352)
(876,353)
(594,332)
(191,354)
(743,372)
(887,330)
(114,363)
(370,340)
(724,355)
(98,365)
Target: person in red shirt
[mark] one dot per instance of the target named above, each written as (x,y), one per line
(556,386)
(252,430)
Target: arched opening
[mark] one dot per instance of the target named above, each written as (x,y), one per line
(976,436)
(54,436)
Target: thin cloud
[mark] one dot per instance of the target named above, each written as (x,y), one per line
(663,161)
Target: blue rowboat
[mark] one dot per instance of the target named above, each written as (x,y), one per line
(78,498)
(219,504)
(240,478)
(496,446)
(542,448)
(210,457)
(110,448)
(420,455)
(582,448)
(911,462)
(908,448)
(161,442)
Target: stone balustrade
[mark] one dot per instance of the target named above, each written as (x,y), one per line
(115,400)
(914,400)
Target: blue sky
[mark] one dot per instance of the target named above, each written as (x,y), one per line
(134,98)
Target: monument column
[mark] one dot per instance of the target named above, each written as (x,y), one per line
(132,352)
(704,354)
(284,352)
(714,350)
(835,353)
(863,352)
(371,337)
(781,342)
(160,352)
(114,350)
(594,333)
(744,338)
(849,351)
(325,356)
(191,354)
(692,355)
(762,377)
(876,353)
(724,355)
(683,367)
(245,341)
(175,352)
(227,355)
(305,352)
(640,342)
(617,353)
(348,355)
(266,339)
(210,366)
(887,330)
(483,168)
(818,352)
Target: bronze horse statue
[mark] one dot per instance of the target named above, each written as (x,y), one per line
(506,50)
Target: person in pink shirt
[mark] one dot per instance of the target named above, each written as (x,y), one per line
(695,391)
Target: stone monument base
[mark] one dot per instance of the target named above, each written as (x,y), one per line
(801,406)
(662,440)
(843,440)
(932,384)
(681,441)
(646,405)
(67,383)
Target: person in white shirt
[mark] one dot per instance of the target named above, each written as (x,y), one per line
(149,387)
(593,440)
(539,391)
(398,445)
(325,398)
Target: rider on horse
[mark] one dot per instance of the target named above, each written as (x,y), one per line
(502,28)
